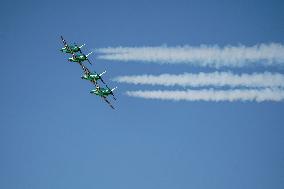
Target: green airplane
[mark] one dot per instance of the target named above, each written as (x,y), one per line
(102,92)
(71,49)
(93,77)
(80,58)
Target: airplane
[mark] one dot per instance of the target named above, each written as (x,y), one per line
(93,77)
(71,49)
(80,58)
(102,92)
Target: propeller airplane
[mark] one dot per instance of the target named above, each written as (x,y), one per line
(71,49)
(92,76)
(102,92)
(80,58)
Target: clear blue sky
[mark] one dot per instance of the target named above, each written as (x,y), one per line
(54,134)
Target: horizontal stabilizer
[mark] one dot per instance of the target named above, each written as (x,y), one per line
(113,89)
(103,73)
(89,54)
(82,46)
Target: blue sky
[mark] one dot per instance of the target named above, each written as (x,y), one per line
(54,134)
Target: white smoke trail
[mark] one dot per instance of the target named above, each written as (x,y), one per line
(218,79)
(258,95)
(212,56)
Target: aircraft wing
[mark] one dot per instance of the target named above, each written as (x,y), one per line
(87,57)
(65,44)
(63,40)
(111,93)
(102,81)
(85,69)
(89,61)
(105,99)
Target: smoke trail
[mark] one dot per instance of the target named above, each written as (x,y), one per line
(212,56)
(258,95)
(218,79)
